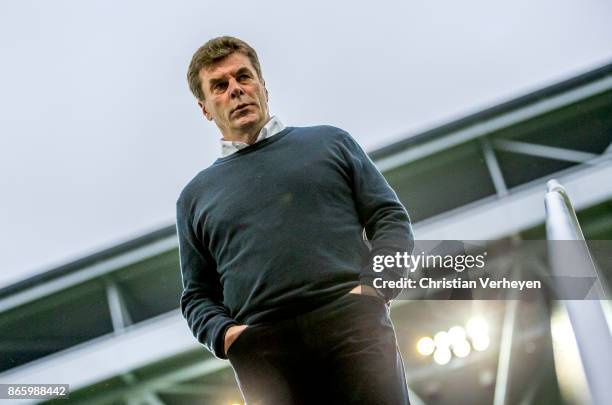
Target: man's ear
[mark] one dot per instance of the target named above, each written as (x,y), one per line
(205,111)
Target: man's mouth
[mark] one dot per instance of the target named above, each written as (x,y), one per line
(240,107)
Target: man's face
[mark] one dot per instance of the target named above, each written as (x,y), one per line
(234,96)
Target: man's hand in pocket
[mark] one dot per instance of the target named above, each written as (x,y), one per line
(231,334)
(365,290)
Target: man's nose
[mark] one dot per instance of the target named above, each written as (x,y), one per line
(235,88)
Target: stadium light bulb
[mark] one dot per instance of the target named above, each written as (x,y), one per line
(477,326)
(456,334)
(426,346)
(442,355)
(461,348)
(481,343)
(442,339)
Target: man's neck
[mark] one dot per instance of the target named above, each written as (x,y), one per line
(272,127)
(248,135)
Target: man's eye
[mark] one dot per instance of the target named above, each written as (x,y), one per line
(219,87)
(244,77)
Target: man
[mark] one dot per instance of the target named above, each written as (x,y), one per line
(276,275)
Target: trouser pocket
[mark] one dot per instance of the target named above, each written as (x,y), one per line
(242,338)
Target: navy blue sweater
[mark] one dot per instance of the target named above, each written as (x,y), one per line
(276,229)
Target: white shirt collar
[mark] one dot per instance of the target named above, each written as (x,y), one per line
(272,127)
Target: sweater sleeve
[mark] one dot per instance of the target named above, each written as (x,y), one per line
(202,296)
(384,218)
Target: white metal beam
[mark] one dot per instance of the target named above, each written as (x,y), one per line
(549,152)
(505,353)
(493,165)
(120,315)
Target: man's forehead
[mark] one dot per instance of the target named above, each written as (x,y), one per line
(228,65)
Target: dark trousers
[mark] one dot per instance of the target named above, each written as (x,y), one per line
(344,352)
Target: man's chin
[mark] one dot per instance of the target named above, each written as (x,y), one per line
(244,123)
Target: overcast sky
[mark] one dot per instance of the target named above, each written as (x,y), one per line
(99,133)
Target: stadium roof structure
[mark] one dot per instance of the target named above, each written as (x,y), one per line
(109,324)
